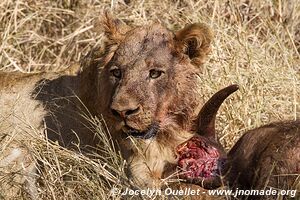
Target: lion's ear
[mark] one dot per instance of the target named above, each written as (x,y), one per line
(194,40)
(114,29)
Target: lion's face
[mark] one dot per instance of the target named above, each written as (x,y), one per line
(150,79)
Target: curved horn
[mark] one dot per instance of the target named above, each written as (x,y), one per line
(207,115)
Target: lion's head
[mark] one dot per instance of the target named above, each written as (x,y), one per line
(150,77)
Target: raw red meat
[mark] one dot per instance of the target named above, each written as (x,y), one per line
(197,159)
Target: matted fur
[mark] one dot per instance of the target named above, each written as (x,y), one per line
(171,101)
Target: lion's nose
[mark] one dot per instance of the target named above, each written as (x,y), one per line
(124,113)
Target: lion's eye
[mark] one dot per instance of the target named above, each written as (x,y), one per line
(116,73)
(155,73)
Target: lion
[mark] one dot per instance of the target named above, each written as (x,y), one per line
(145,83)
(150,78)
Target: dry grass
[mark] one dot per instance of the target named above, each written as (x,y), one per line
(256,45)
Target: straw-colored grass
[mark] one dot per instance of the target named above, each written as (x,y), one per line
(256,45)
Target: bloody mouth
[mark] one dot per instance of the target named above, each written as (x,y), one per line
(149,133)
(197,160)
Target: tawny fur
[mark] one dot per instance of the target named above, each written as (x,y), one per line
(19,115)
(51,103)
(31,106)
(173,100)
